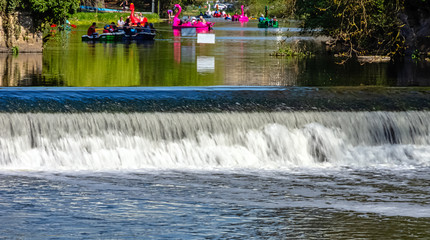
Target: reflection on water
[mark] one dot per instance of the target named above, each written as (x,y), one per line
(20,70)
(175,58)
(411,73)
(205,64)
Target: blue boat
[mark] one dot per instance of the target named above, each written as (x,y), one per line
(93,9)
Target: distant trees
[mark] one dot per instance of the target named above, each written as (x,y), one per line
(93,3)
(168,4)
(278,8)
(51,11)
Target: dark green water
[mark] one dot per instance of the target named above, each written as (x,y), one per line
(240,56)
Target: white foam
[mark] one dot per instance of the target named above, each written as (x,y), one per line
(102,141)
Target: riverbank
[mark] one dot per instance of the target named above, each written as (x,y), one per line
(18,33)
(87,18)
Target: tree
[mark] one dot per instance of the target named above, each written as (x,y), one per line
(360,26)
(51,11)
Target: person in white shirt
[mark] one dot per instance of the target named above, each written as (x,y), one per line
(121,22)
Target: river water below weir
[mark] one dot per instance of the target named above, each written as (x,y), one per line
(284,149)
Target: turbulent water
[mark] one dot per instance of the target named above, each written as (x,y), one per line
(308,175)
(103,141)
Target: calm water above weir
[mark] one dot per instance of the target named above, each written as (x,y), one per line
(239,57)
(144,143)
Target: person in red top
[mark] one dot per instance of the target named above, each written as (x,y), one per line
(106,29)
(92,29)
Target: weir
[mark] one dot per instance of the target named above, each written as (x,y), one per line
(263,140)
(212,99)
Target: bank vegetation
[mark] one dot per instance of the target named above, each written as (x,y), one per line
(393,28)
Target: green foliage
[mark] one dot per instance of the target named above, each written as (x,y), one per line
(51,11)
(361,27)
(294,49)
(416,55)
(169,4)
(15,50)
(3,5)
(278,8)
(87,18)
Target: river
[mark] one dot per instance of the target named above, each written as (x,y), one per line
(183,140)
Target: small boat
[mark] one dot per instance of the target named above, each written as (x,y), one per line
(94,9)
(197,26)
(268,23)
(119,36)
(114,37)
(178,25)
(243,17)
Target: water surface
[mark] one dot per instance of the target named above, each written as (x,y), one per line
(331,175)
(173,139)
(240,56)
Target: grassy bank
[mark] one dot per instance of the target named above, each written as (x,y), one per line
(87,18)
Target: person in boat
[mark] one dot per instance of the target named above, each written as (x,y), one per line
(193,20)
(139,27)
(146,28)
(261,18)
(121,22)
(202,19)
(127,27)
(151,26)
(92,30)
(272,22)
(113,27)
(106,29)
(170,14)
(235,17)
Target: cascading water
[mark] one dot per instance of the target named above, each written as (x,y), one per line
(266,140)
